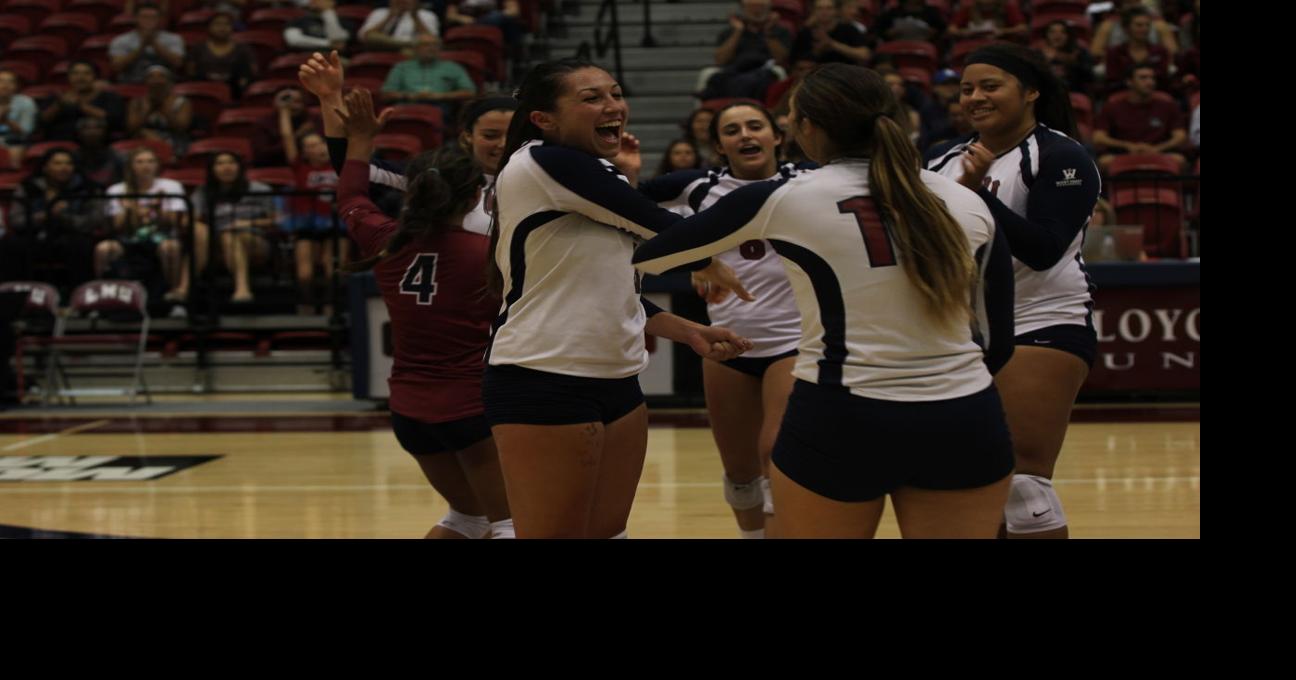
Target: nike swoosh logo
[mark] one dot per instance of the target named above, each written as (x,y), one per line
(1041,514)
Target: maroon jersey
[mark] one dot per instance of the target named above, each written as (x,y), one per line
(434,289)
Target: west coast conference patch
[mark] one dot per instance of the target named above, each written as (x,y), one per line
(94,468)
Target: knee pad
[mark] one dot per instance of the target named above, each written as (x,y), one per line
(743,496)
(467,525)
(1033,506)
(769,497)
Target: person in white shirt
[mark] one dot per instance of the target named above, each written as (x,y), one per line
(905,292)
(398,26)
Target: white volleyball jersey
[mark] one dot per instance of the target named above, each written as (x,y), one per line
(569,223)
(772,321)
(863,324)
(478,220)
(1042,194)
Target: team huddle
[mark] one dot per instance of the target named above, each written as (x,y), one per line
(877,328)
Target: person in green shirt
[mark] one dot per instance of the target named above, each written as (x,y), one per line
(428,79)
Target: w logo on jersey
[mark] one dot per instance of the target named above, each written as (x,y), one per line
(1069,178)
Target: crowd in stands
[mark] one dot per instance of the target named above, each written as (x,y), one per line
(107,103)
(1133,67)
(142,138)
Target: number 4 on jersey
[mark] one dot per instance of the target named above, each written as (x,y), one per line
(420,278)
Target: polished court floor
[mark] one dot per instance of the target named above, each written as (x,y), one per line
(267,470)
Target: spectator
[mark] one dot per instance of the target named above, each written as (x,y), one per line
(503,14)
(160,113)
(1114,31)
(95,158)
(52,220)
(697,129)
(320,29)
(1141,122)
(17,117)
(954,129)
(429,79)
(909,119)
(911,20)
(311,217)
(776,97)
(240,221)
(754,42)
(398,26)
(132,53)
(85,97)
(992,19)
(1070,62)
(1138,49)
(220,59)
(145,240)
(680,154)
(269,136)
(826,38)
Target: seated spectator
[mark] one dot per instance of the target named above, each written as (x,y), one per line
(96,159)
(946,86)
(680,154)
(1113,31)
(398,26)
(753,43)
(144,244)
(911,121)
(319,30)
(52,221)
(241,221)
(17,117)
(311,217)
(428,79)
(935,110)
(697,129)
(1140,123)
(1138,49)
(826,38)
(269,137)
(132,53)
(993,19)
(220,59)
(911,20)
(954,129)
(1070,62)
(86,96)
(776,97)
(160,113)
(503,14)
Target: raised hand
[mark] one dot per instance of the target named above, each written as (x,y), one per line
(322,76)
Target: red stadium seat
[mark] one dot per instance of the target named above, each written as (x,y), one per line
(261,93)
(395,147)
(273,18)
(45,91)
(917,76)
(209,99)
(198,152)
(266,45)
(243,121)
(473,62)
(287,65)
(196,18)
(102,10)
(356,13)
(911,53)
(275,177)
(122,23)
(963,48)
(373,64)
(790,10)
(73,27)
(1083,107)
(420,120)
(13,27)
(487,41)
(128,91)
(191,178)
(1161,213)
(34,10)
(42,50)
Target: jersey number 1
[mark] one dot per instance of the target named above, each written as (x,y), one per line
(420,278)
(876,239)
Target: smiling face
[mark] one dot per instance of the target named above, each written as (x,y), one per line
(994,100)
(747,139)
(589,115)
(486,140)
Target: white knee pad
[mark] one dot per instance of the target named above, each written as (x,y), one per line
(502,529)
(769,497)
(743,496)
(1033,506)
(467,525)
